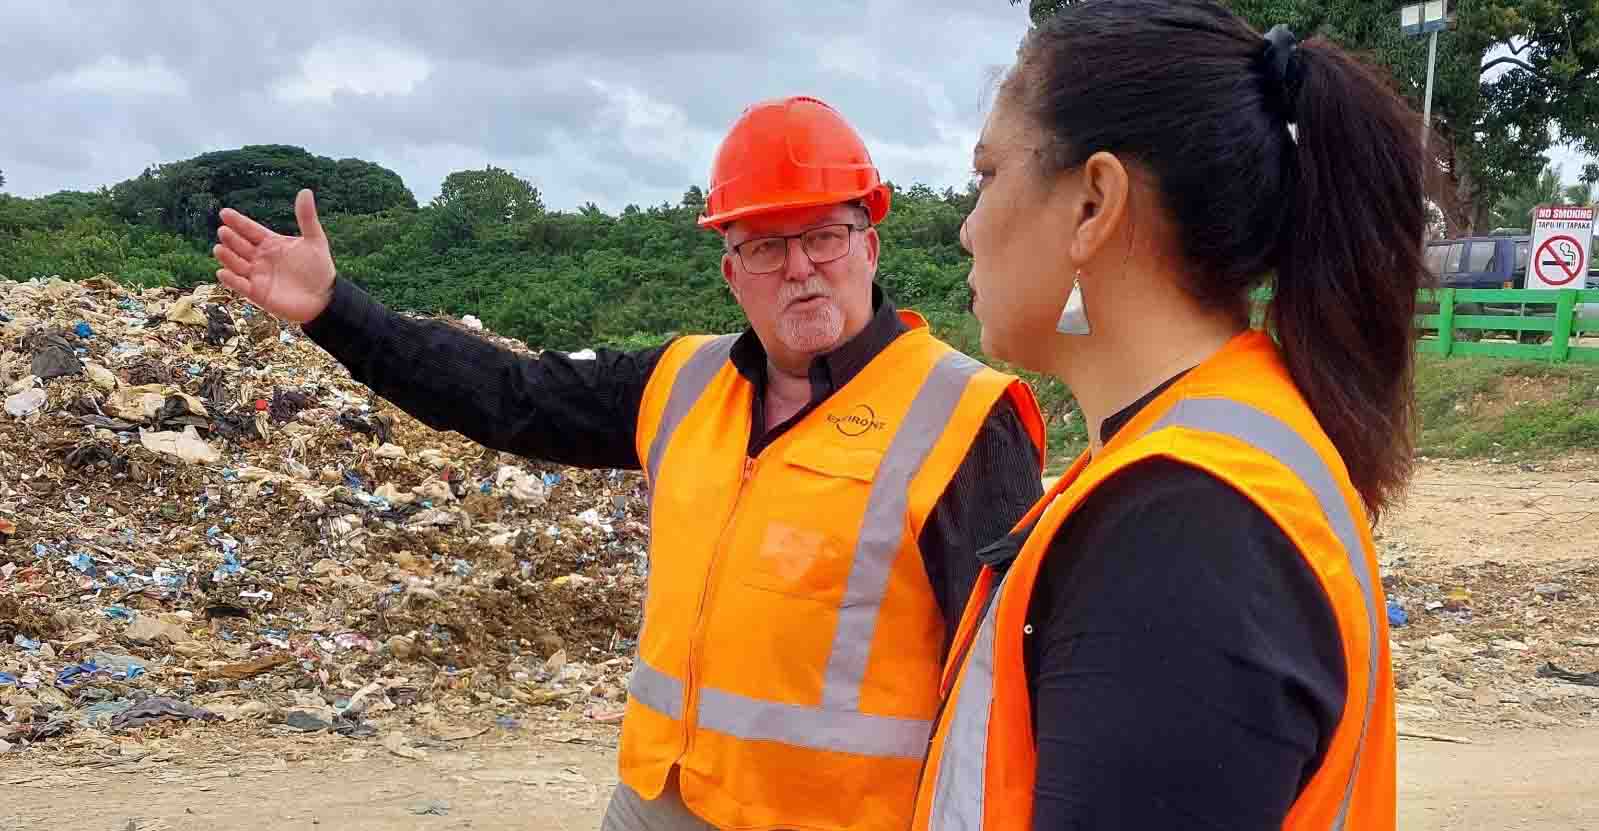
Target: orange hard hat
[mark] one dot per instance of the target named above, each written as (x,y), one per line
(794,152)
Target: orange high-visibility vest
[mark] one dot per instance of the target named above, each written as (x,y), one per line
(1239,417)
(790,652)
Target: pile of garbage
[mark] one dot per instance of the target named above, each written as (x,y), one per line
(204,518)
(1492,643)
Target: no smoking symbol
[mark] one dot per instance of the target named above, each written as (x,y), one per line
(1559,260)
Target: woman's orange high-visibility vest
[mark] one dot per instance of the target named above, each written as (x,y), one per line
(789,659)
(1239,417)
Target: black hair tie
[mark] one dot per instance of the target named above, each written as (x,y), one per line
(1279,61)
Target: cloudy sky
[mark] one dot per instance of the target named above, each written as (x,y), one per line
(614,101)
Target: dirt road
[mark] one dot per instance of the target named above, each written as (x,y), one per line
(1523,779)
(1465,512)
(558,775)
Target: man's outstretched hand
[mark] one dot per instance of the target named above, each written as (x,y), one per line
(288,277)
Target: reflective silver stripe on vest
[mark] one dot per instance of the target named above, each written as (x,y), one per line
(883,528)
(1280,441)
(812,727)
(648,685)
(958,794)
(656,690)
(687,388)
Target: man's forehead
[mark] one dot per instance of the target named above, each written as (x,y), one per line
(794,220)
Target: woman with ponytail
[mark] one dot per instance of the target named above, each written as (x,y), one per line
(1189,630)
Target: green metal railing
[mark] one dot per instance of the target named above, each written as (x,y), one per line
(1555,318)
(1540,311)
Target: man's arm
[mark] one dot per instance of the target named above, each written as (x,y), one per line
(995,485)
(553,407)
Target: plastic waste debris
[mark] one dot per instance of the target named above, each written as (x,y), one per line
(26,403)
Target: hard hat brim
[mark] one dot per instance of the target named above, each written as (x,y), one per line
(877,201)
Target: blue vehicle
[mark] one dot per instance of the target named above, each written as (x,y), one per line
(1495,261)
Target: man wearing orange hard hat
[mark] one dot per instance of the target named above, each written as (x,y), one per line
(819,484)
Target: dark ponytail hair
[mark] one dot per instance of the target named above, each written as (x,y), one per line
(1189,92)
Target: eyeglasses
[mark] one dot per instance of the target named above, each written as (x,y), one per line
(765,255)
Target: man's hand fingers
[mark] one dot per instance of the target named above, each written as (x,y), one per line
(305,214)
(232,261)
(233,240)
(236,283)
(245,226)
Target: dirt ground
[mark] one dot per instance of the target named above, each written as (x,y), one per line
(1535,780)
(1528,760)
(1528,513)
(1524,779)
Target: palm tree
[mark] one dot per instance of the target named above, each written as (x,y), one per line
(1515,210)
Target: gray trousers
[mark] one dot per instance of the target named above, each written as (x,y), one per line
(628,811)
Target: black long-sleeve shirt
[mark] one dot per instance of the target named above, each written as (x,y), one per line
(584,413)
(1184,663)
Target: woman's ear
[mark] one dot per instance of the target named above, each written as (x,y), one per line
(1102,196)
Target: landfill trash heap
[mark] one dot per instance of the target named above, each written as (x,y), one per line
(203,518)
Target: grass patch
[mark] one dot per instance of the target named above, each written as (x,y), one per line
(1487,406)
(1469,407)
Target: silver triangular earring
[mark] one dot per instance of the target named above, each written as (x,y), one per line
(1074,318)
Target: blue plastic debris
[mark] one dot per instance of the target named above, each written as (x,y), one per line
(6,678)
(1396,614)
(118,666)
(77,672)
(551,479)
(26,643)
(462,568)
(41,550)
(82,562)
(5,318)
(167,578)
(82,330)
(119,613)
(487,486)
(230,565)
(354,481)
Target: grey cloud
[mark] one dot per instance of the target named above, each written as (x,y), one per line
(506,84)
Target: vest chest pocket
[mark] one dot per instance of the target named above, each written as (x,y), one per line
(806,541)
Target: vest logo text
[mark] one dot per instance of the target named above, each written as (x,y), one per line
(857,422)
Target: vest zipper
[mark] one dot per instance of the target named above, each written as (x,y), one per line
(691,684)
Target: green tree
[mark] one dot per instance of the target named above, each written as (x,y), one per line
(1515,210)
(483,204)
(259,180)
(1508,72)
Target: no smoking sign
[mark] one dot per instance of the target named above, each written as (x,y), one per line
(1560,260)
(1561,237)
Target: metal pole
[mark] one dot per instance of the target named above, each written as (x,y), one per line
(1432,58)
